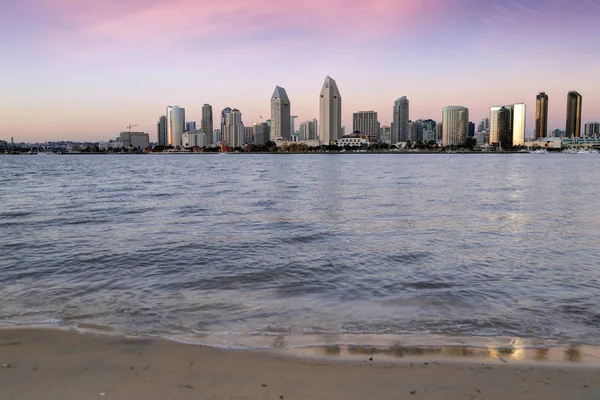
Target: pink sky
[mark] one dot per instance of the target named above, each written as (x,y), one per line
(83,70)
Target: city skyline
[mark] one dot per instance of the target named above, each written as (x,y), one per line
(87,70)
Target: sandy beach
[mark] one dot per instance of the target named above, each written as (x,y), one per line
(47,364)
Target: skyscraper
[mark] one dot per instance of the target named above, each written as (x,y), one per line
(190,126)
(592,128)
(507,125)
(280,114)
(366,123)
(161,131)
(330,112)
(415,131)
(175,125)
(541,116)
(261,133)
(573,114)
(484,125)
(234,133)
(224,137)
(308,130)
(471,129)
(455,125)
(207,123)
(401,117)
(293,124)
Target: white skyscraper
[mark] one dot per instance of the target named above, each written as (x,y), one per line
(234,132)
(455,125)
(175,124)
(308,130)
(400,117)
(518,125)
(280,114)
(330,112)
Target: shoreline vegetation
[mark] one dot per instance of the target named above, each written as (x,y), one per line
(74,365)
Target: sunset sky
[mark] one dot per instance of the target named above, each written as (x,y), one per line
(85,69)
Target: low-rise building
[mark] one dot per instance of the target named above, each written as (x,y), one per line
(136,140)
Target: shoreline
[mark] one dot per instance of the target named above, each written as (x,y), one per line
(54,364)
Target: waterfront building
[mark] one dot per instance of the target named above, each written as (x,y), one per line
(206,125)
(556,133)
(261,132)
(385,134)
(400,115)
(484,125)
(224,113)
(308,130)
(248,134)
(367,124)
(439,128)
(293,125)
(136,140)
(330,112)
(455,125)
(471,130)
(161,131)
(352,141)
(507,125)
(280,114)
(234,132)
(217,136)
(195,138)
(574,101)
(541,116)
(592,128)
(175,125)
(190,126)
(415,131)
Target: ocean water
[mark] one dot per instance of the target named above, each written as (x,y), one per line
(255,250)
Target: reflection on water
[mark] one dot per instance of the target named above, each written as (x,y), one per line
(572,354)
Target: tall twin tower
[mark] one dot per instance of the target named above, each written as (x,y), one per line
(573,127)
(330,111)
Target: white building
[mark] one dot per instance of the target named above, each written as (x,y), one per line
(280,114)
(308,130)
(455,125)
(330,112)
(352,142)
(194,139)
(592,128)
(175,124)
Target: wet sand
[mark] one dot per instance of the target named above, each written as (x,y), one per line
(46,364)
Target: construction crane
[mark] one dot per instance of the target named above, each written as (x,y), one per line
(131,126)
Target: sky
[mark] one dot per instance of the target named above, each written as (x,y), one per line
(85,69)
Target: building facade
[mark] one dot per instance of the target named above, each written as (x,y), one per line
(261,133)
(507,125)
(367,124)
(190,126)
(136,140)
(280,114)
(592,128)
(234,133)
(455,125)
(574,101)
(161,131)
(175,125)
(400,115)
(330,112)
(308,130)
(541,116)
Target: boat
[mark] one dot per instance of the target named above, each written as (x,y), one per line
(539,151)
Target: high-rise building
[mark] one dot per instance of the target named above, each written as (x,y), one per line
(161,131)
(592,128)
(507,125)
(573,114)
(234,133)
(367,124)
(217,136)
(484,125)
(280,114)
(206,124)
(518,124)
(401,117)
(455,125)
(293,124)
(471,130)
(308,130)
(415,131)
(224,113)
(439,129)
(261,133)
(248,134)
(175,125)
(330,112)
(190,126)
(385,135)
(541,116)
